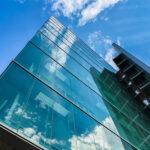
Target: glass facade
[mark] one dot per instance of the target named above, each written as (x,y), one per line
(59,94)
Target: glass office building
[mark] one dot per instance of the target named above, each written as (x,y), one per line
(59,94)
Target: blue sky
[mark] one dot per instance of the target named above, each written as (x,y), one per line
(97,22)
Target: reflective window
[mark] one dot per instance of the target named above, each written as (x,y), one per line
(15,87)
(61,80)
(97,106)
(70,64)
(76,44)
(39,39)
(41,115)
(57,38)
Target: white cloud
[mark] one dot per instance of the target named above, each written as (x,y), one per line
(69,7)
(95,8)
(107,41)
(93,39)
(111,53)
(57,53)
(109,57)
(61,58)
(29,132)
(103,45)
(99,138)
(84,10)
(97,39)
(21,112)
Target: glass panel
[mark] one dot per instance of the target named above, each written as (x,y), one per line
(57,38)
(70,64)
(77,45)
(39,39)
(114,92)
(91,136)
(42,116)
(15,88)
(67,85)
(146,144)
(128,129)
(54,75)
(53,24)
(30,58)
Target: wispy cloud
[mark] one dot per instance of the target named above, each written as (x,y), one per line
(83,10)
(33,135)
(69,7)
(99,138)
(109,57)
(93,39)
(103,45)
(95,8)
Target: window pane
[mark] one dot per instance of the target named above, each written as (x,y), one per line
(15,87)
(41,115)
(30,58)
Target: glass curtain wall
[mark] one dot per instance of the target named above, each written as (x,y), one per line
(57,96)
